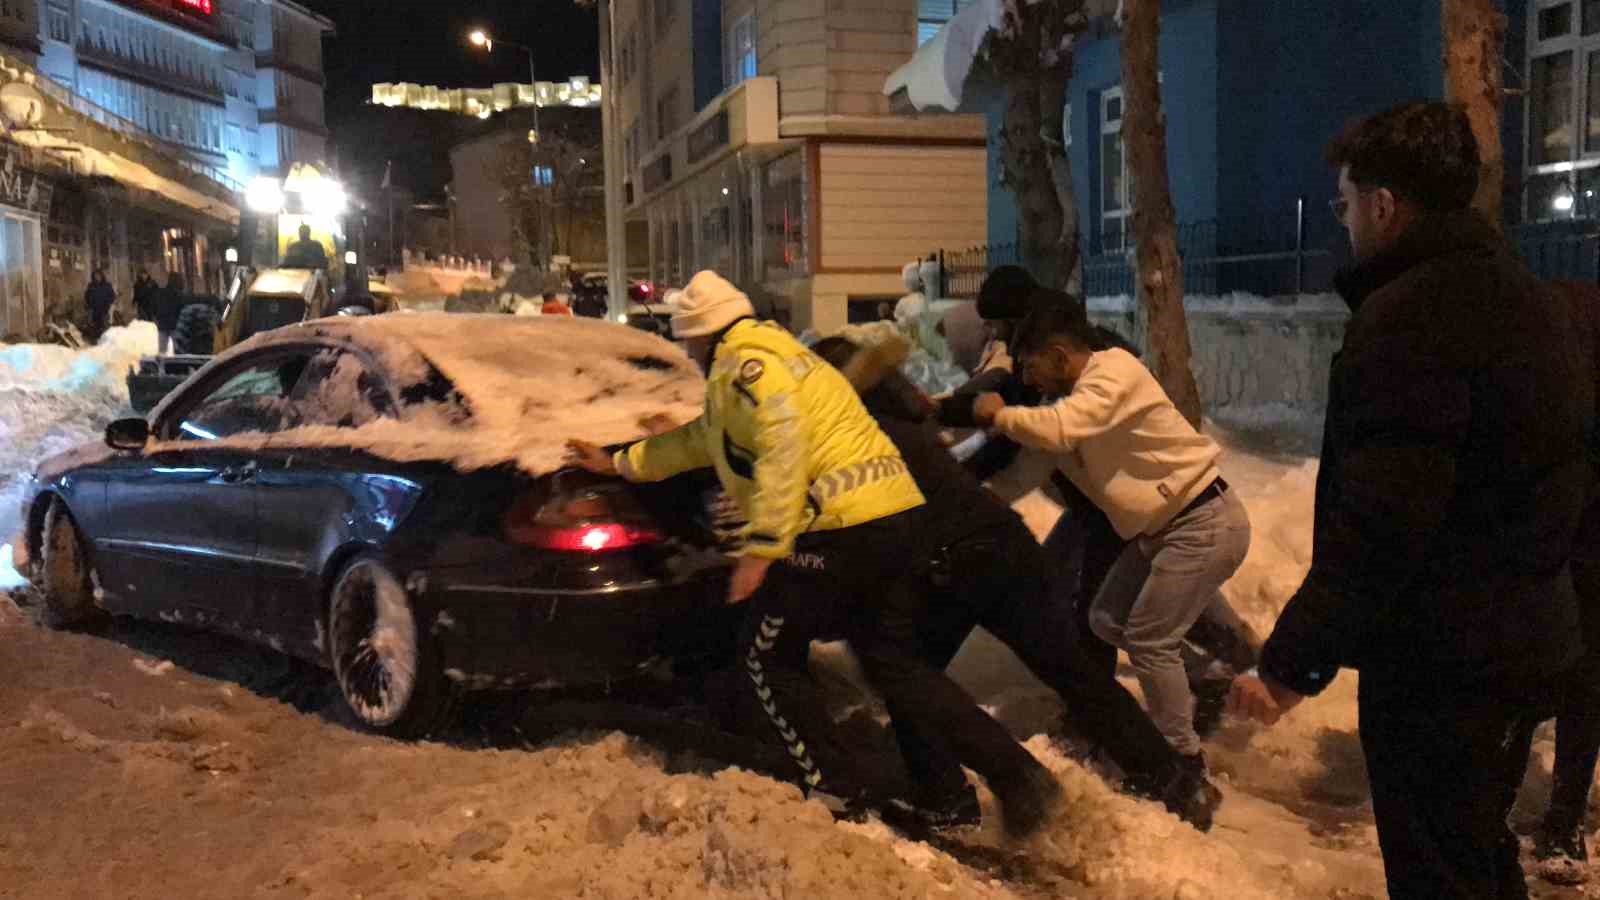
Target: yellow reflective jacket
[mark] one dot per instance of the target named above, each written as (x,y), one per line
(789,439)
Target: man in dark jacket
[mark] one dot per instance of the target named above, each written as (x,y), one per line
(99,297)
(1453,477)
(305,253)
(145,296)
(169,306)
(985,568)
(1559,844)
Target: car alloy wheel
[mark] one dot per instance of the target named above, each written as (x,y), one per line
(379,656)
(69,584)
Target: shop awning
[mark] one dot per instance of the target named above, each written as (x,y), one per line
(937,73)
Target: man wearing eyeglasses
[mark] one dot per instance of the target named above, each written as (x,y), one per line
(1453,477)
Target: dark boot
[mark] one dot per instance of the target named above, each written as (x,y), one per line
(1561,853)
(1029,802)
(935,814)
(1190,795)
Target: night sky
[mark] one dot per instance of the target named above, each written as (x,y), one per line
(424,41)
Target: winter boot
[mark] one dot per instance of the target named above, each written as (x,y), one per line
(1190,795)
(935,814)
(1029,802)
(1561,854)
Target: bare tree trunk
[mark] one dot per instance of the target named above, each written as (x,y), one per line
(1052,112)
(1028,173)
(1474,53)
(1155,232)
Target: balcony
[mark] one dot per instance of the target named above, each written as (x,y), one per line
(290,118)
(277,59)
(106,60)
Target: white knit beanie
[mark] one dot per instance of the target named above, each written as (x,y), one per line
(708,305)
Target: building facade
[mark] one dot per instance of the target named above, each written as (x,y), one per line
(1254,89)
(758,142)
(237,84)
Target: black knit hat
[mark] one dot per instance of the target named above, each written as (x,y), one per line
(1005,293)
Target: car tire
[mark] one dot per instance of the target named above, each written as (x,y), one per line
(67,576)
(384,662)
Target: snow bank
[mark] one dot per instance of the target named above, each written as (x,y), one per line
(54,398)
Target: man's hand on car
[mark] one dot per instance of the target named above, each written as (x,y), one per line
(591,457)
(987,407)
(747,577)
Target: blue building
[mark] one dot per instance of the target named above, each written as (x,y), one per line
(1254,89)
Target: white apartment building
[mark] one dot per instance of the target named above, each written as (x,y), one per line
(236,83)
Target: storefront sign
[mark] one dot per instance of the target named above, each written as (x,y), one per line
(23,188)
(657,174)
(708,138)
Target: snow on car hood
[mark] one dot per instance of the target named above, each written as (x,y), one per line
(524,387)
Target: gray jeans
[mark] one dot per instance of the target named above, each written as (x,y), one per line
(1155,592)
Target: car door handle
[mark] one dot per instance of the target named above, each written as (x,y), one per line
(239,474)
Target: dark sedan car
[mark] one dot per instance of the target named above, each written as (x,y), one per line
(386,497)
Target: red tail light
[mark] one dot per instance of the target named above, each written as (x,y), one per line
(579,518)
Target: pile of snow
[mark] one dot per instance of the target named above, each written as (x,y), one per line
(526,386)
(935,376)
(53,398)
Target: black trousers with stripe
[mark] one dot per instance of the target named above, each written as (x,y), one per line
(861,581)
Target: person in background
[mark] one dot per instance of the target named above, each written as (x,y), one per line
(146,296)
(169,306)
(305,253)
(553,306)
(1117,436)
(1453,478)
(99,297)
(985,568)
(831,509)
(1559,848)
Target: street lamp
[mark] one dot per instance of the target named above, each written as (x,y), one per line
(481,38)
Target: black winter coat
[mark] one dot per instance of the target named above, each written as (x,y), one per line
(1453,477)
(169,306)
(146,300)
(99,296)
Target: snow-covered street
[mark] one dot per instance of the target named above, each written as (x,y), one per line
(156,762)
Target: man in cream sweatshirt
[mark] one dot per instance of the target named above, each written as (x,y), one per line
(1118,437)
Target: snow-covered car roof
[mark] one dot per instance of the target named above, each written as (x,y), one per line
(526,386)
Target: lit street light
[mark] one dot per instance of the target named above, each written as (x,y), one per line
(481,38)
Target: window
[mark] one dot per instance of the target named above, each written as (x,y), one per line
(543,176)
(741,62)
(631,146)
(1116,199)
(933,14)
(1555,21)
(1552,112)
(667,113)
(250,400)
(783,206)
(338,390)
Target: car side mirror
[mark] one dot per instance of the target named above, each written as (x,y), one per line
(128,434)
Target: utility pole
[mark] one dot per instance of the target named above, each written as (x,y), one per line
(611,138)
